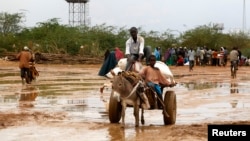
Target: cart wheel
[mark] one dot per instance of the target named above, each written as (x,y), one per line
(170,105)
(115,109)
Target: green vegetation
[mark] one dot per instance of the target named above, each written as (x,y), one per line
(52,37)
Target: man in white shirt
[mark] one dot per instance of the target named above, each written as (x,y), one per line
(202,55)
(134,48)
(191,57)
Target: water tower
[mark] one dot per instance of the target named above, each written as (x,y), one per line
(78,12)
(244,16)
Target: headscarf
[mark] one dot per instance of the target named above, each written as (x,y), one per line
(118,54)
(222,48)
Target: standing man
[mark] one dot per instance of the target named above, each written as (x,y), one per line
(221,56)
(234,56)
(198,60)
(191,57)
(134,48)
(225,56)
(202,56)
(239,59)
(25,57)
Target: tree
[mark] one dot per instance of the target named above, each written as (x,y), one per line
(52,37)
(10,23)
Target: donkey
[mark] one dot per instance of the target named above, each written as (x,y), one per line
(130,95)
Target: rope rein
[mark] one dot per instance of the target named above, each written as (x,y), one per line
(134,89)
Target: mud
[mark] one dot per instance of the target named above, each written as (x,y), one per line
(65,103)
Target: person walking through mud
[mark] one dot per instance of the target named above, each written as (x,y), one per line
(191,57)
(134,48)
(234,56)
(153,77)
(25,57)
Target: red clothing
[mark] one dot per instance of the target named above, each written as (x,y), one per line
(214,54)
(180,61)
(118,54)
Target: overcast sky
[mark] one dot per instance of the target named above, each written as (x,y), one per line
(157,15)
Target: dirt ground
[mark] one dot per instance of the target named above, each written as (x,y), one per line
(204,96)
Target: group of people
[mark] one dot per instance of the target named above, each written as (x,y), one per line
(200,56)
(175,56)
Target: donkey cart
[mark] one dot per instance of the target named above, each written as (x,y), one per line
(167,104)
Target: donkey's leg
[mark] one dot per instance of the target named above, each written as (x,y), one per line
(142,116)
(136,114)
(124,106)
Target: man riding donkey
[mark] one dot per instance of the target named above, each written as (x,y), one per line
(26,65)
(135,50)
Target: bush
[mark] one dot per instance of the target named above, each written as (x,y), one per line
(245,52)
(2,50)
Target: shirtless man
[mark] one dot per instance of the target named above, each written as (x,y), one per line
(153,77)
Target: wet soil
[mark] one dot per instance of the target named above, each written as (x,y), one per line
(65,103)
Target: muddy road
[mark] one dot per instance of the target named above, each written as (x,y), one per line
(65,103)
